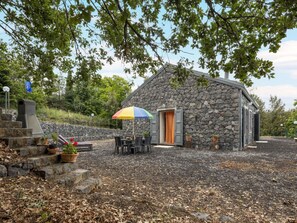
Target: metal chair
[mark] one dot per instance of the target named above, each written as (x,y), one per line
(147,143)
(137,144)
(118,144)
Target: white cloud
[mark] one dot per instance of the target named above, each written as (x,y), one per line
(284,85)
(117,68)
(285,60)
(287,93)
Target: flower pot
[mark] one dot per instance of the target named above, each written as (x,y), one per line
(69,158)
(215,142)
(52,150)
(188,138)
(215,139)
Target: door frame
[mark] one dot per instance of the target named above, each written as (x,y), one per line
(161,123)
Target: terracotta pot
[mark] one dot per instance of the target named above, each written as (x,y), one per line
(188,138)
(52,150)
(69,158)
(215,139)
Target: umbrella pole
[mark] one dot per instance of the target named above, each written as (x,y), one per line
(133,128)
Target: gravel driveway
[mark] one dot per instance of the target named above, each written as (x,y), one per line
(187,185)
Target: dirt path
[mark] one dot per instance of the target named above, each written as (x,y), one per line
(166,185)
(179,184)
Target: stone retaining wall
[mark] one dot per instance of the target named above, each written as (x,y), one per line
(80,133)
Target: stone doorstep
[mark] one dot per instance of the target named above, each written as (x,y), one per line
(15,132)
(49,172)
(252,147)
(10,124)
(262,142)
(31,150)
(73,177)
(42,161)
(88,185)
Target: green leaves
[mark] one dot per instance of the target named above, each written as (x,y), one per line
(224,35)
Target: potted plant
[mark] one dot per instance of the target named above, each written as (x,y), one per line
(69,153)
(215,142)
(44,140)
(53,147)
(146,134)
(188,137)
(215,138)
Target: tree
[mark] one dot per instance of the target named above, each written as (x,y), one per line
(227,34)
(263,114)
(291,128)
(276,117)
(112,91)
(13,74)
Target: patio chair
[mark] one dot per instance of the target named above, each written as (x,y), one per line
(137,146)
(147,143)
(117,144)
(81,146)
(121,144)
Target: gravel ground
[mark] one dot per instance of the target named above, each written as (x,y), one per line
(186,185)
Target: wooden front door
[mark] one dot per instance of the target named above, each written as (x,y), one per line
(169,127)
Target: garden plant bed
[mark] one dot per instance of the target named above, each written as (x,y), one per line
(167,185)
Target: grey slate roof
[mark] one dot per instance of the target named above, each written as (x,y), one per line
(225,81)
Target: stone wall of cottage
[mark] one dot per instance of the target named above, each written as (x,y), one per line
(207,111)
(80,133)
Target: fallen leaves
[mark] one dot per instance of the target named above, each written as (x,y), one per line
(8,155)
(167,185)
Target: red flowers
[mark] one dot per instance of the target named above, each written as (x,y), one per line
(70,148)
(73,142)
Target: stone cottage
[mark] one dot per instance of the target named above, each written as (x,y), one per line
(223,108)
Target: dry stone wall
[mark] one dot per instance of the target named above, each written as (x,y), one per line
(80,133)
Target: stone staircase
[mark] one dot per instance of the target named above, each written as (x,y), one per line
(37,160)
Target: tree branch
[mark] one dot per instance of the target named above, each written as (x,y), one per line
(153,46)
(11,33)
(76,45)
(215,13)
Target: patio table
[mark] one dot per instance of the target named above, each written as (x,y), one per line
(128,144)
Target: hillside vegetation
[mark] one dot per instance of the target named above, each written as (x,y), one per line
(46,114)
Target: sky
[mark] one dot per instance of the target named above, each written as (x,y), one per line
(284,85)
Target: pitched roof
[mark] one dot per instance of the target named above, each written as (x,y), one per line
(225,81)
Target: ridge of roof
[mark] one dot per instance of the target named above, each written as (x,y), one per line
(221,80)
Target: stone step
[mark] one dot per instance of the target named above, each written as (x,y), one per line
(6,117)
(10,124)
(72,178)
(16,142)
(42,161)
(15,132)
(32,150)
(51,171)
(88,185)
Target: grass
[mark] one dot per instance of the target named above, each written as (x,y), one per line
(61,116)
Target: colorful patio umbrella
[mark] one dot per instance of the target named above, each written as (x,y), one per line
(131,113)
